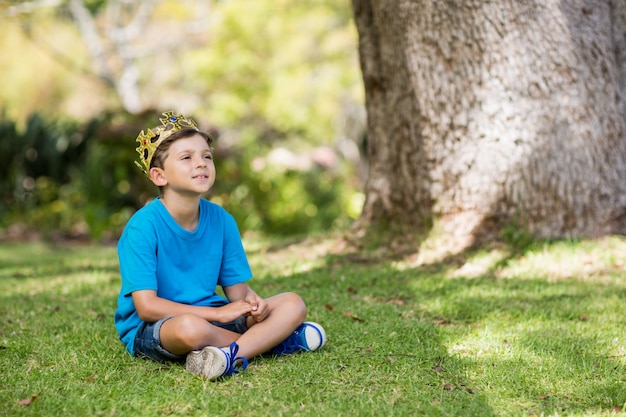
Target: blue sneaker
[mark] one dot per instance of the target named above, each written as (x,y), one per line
(308,337)
(213,363)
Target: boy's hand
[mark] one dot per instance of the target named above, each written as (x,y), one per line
(258,307)
(233,311)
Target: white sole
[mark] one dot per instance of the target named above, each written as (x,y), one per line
(209,362)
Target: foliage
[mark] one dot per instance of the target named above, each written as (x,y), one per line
(45,70)
(280,79)
(32,178)
(490,333)
(61,180)
(286,72)
(64,180)
(269,75)
(278,200)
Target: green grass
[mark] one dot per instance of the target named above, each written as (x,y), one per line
(496,332)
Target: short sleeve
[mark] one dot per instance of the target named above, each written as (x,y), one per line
(137,253)
(235,268)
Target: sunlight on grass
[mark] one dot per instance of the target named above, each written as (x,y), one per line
(498,331)
(600,261)
(64,285)
(269,257)
(39,268)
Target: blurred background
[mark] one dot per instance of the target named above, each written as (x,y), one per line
(276,82)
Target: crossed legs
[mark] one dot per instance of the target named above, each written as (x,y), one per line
(186,332)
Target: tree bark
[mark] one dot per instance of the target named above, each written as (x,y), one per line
(483,114)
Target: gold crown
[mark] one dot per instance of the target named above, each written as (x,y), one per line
(150,140)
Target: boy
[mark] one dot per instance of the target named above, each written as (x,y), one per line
(176,250)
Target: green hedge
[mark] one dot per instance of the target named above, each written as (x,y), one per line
(70,179)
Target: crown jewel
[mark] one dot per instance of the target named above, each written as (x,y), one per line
(150,140)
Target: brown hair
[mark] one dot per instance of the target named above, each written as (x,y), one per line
(161,152)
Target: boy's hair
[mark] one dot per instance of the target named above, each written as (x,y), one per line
(161,152)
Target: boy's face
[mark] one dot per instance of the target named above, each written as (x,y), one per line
(188,167)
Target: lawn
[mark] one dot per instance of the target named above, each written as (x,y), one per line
(502,331)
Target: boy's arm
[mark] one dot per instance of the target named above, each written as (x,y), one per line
(237,292)
(151,308)
(259,309)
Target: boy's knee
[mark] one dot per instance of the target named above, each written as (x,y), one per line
(186,328)
(296,304)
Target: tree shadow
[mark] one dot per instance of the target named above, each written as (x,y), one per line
(539,327)
(410,336)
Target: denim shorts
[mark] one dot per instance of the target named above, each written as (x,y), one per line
(148,340)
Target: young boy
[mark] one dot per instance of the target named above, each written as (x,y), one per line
(176,250)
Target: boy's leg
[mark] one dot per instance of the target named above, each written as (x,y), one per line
(186,332)
(213,363)
(287,312)
(210,350)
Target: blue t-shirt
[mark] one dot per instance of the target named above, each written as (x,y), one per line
(156,253)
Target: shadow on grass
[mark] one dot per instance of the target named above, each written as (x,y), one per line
(531,344)
(408,341)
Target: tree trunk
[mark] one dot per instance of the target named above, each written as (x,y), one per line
(483,114)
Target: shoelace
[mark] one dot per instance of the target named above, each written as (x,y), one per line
(291,344)
(234,348)
(288,346)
